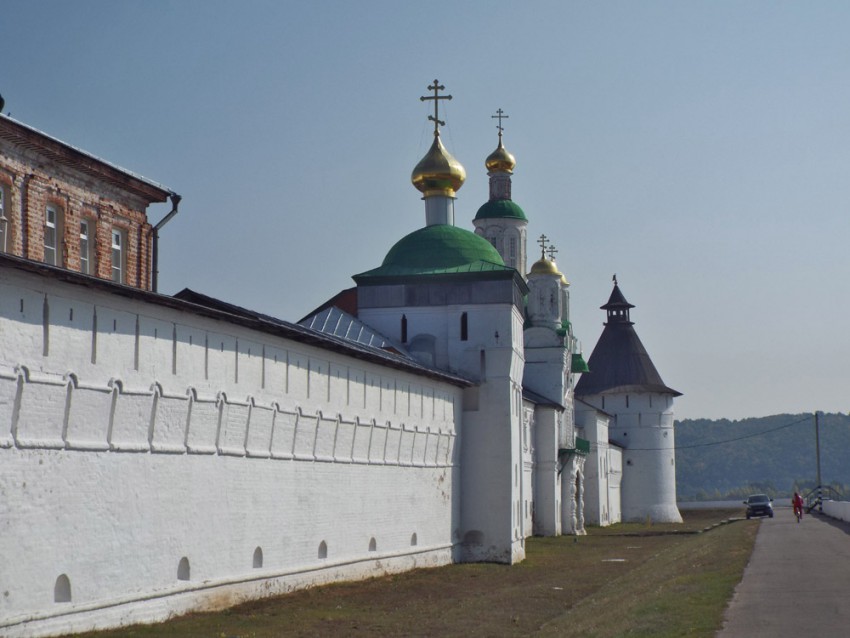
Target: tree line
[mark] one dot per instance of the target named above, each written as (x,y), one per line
(729,459)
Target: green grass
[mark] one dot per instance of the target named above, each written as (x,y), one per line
(624,580)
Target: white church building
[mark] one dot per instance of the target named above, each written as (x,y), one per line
(162,454)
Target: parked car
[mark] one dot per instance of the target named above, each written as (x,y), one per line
(759,505)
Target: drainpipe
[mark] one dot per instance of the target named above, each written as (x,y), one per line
(175,201)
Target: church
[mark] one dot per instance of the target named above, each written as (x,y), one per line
(163,454)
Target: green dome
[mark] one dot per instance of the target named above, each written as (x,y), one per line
(500,208)
(439,249)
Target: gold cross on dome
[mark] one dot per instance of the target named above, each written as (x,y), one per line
(542,243)
(436,88)
(552,252)
(500,115)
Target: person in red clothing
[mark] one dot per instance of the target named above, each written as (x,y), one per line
(797,503)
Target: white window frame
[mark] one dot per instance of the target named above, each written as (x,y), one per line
(4,220)
(119,254)
(86,247)
(54,226)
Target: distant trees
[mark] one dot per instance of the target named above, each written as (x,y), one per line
(774,455)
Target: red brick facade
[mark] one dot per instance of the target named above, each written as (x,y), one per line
(38,172)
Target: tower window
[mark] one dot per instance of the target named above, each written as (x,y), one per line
(119,256)
(464,327)
(52,236)
(404,329)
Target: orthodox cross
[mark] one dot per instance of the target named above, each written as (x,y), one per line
(552,252)
(500,115)
(542,242)
(615,278)
(436,88)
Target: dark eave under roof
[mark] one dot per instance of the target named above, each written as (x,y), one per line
(539,399)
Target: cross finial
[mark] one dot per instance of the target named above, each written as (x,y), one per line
(615,278)
(436,88)
(542,243)
(500,115)
(552,252)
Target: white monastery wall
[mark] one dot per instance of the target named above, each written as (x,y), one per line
(154,461)
(837,509)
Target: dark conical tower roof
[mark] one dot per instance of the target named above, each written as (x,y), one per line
(619,362)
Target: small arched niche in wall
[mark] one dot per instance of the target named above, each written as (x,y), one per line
(183,570)
(62,589)
(414,541)
(258,558)
(373,545)
(323,550)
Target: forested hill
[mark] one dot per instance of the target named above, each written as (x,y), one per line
(772,454)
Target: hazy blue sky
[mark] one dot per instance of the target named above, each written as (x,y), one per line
(700,150)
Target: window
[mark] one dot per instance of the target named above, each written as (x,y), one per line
(4,221)
(464,327)
(118,256)
(403,329)
(53,236)
(86,245)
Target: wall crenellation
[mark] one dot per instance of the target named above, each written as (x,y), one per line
(56,412)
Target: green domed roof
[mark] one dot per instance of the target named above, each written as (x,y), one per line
(500,208)
(439,249)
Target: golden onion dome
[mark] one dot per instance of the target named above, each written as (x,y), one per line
(500,160)
(545,266)
(564,280)
(438,173)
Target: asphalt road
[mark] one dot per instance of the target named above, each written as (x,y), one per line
(797,581)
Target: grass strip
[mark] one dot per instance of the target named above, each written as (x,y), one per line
(624,580)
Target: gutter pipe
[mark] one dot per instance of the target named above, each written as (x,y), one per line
(175,202)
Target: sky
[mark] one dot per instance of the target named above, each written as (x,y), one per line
(699,150)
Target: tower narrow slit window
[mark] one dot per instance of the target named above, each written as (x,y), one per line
(464,327)
(404,329)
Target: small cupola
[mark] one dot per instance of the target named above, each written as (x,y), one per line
(545,298)
(617,306)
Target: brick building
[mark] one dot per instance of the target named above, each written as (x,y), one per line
(64,207)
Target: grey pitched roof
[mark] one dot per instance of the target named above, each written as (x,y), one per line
(619,362)
(335,322)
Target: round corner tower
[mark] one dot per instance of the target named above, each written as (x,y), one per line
(624,382)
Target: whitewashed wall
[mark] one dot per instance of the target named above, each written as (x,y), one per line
(644,429)
(837,509)
(154,461)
